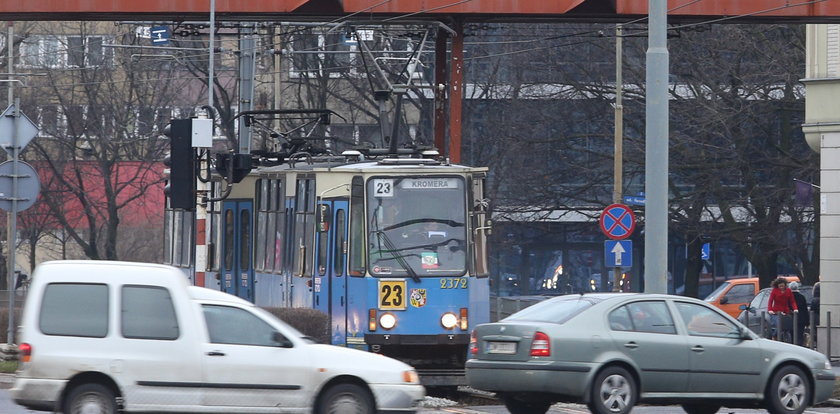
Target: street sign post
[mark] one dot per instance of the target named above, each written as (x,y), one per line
(16,130)
(618,253)
(617,221)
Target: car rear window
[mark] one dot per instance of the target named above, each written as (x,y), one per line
(556,310)
(75,309)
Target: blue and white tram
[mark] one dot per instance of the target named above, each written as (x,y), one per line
(393,250)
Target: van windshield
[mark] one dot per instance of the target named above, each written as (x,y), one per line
(717,292)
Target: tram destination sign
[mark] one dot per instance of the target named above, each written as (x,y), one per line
(429,183)
(617,221)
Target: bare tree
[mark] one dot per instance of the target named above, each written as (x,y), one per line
(101,110)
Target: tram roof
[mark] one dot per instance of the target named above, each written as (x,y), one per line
(405,164)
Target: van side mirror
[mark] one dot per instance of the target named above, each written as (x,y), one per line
(724,300)
(744,307)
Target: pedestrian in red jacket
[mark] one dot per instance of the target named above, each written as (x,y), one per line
(781,302)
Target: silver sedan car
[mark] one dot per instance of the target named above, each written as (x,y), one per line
(614,350)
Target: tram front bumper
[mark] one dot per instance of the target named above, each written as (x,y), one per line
(399,339)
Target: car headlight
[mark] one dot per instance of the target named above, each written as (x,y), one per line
(828,364)
(387,321)
(449,320)
(411,377)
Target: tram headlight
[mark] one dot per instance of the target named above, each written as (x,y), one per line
(387,321)
(449,320)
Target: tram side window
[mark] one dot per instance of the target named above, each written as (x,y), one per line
(304,226)
(245,239)
(276,242)
(228,247)
(261,193)
(357,227)
(338,259)
(479,216)
(268,229)
(215,228)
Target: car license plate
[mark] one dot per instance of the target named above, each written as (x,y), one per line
(501,347)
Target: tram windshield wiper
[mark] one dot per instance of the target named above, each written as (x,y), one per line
(389,245)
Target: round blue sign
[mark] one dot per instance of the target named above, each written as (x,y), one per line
(617,221)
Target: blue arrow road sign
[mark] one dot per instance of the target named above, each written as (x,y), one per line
(618,253)
(160,35)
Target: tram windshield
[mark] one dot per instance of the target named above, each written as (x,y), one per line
(416,226)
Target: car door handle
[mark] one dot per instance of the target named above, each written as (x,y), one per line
(631,345)
(697,348)
(215,353)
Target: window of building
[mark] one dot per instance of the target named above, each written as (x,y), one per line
(55,51)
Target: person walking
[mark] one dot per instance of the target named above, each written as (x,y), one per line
(781,302)
(802,319)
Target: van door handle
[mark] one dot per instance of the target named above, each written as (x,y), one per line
(215,353)
(631,345)
(697,348)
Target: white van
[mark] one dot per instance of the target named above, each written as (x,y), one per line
(101,337)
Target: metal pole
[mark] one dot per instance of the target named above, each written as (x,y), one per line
(10,36)
(247,56)
(10,331)
(12,215)
(619,137)
(656,151)
(828,335)
(212,64)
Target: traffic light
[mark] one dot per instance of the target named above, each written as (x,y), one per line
(181,162)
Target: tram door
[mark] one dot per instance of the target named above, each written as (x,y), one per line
(237,272)
(330,279)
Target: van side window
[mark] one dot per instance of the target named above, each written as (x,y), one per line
(148,313)
(740,293)
(75,309)
(229,325)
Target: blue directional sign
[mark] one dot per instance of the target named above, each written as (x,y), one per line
(705,252)
(634,200)
(618,253)
(160,35)
(617,221)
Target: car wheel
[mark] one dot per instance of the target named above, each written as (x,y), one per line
(517,406)
(613,392)
(788,392)
(90,399)
(700,408)
(346,399)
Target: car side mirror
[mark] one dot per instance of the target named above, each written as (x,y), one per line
(724,300)
(281,340)
(744,307)
(744,333)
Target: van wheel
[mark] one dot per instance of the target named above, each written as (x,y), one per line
(346,399)
(90,398)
